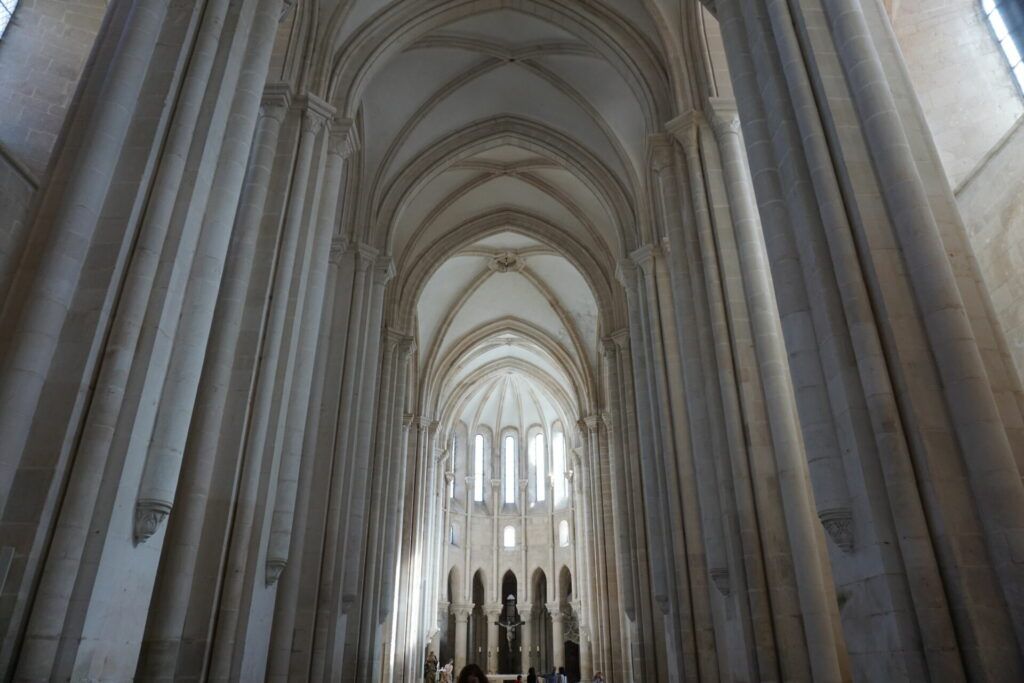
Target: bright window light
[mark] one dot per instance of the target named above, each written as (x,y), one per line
(509,537)
(510,470)
(539,468)
(1006,17)
(478,469)
(558,466)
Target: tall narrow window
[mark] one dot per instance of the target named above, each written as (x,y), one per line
(451,480)
(540,469)
(563,533)
(1006,17)
(558,465)
(509,537)
(478,468)
(7,8)
(510,470)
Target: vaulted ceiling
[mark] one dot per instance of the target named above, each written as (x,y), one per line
(503,164)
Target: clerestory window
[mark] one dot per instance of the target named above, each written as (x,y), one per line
(478,468)
(1006,17)
(510,470)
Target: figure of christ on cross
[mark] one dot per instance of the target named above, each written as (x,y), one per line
(510,620)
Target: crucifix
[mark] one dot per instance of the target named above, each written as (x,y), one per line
(510,620)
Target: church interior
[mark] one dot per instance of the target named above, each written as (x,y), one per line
(646,340)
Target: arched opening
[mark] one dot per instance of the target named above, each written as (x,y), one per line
(478,622)
(540,623)
(510,636)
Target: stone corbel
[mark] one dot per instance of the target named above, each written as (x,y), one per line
(685,127)
(720,577)
(277,98)
(274,570)
(149,515)
(838,523)
(344,139)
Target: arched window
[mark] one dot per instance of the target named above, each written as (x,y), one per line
(558,465)
(1006,17)
(478,468)
(510,469)
(509,537)
(451,480)
(563,533)
(7,8)
(540,469)
(453,535)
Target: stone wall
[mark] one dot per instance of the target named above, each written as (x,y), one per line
(992,202)
(961,77)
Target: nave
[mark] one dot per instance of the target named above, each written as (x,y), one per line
(643,338)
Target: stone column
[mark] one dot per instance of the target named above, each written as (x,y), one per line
(801,521)
(33,338)
(308,314)
(557,635)
(254,448)
(525,635)
(989,460)
(492,614)
(586,658)
(461,613)
(167,618)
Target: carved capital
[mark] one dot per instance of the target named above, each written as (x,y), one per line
(644,256)
(149,515)
(274,570)
(838,523)
(725,118)
(277,98)
(343,140)
(625,273)
(461,612)
(383,270)
(365,256)
(609,348)
(685,128)
(339,247)
(316,113)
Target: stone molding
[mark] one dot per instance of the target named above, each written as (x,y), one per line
(686,126)
(274,569)
(720,577)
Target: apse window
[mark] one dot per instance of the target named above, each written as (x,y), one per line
(563,533)
(451,480)
(558,466)
(539,468)
(509,537)
(510,470)
(7,8)
(478,468)
(1006,17)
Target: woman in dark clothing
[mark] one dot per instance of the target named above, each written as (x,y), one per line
(531,676)
(471,673)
